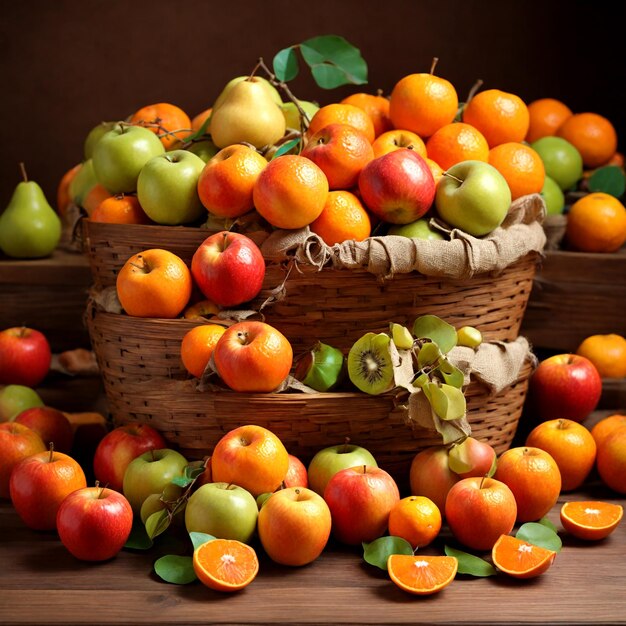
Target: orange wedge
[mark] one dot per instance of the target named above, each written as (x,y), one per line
(590,520)
(225,564)
(520,559)
(421,575)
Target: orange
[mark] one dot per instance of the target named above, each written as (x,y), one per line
(520,559)
(596,223)
(416,519)
(291,191)
(457,142)
(198,121)
(376,106)
(252,457)
(197,347)
(435,169)
(342,218)
(226,183)
(120,209)
(94,197)
(154,283)
(545,117)
(534,478)
(570,444)
(616,159)
(611,460)
(592,135)
(423,103)
(421,575)
(521,167)
(167,121)
(63,193)
(607,353)
(591,520)
(500,116)
(341,151)
(342,114)
(396,139)
(225,564)
(606,427)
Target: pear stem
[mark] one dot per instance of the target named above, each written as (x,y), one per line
(434,65)
(472,92)
(23,171)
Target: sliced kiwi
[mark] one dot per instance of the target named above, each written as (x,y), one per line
(369,364)
(322,368)
(401,336)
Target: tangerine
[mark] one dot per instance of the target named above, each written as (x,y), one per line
(596,223)
(607,353)
(546,115)
(421,575)
(169,122)
(342,218)
(457,142)
(606,427)
(120,209)
(342,114)
(94,197)
(416,519)
(592,135)
(519,558)
(64,197)
(225,564)
(500,116)
(521,167)
(590,520)
(197,347)
(376,106)
(611,460)
(198,120)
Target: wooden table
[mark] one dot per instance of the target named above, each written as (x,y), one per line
(41,583)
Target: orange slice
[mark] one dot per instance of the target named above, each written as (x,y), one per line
(590,520)
(520,559)
(421,575)
(225,564)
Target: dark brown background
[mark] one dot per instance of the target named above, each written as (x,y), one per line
(68,64)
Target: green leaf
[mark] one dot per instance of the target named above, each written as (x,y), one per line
(285,64)
(334,61)
(195,469)
(448,402)
(199,538)
(157,523)
(470,564)
(428,354)
(451,374)
(138,538)
(175,569)
(544,521)
(286,147)
(609,179)
(201,131)
(182,481)
(458,458)
(435,329)
(421,380)
(539,535)
(378,551)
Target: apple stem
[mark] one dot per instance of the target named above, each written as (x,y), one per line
(458,180)
(561,424)
(101,490)
(482,481)
(434,65)
(345,445)
(23,171)
(51,448)
(379,92)
(472,92)
(152,454)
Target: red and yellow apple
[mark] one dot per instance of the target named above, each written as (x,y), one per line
(24,356)
(16,443)
(431,476)
(51,425)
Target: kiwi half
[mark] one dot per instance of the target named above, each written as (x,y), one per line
(369,364)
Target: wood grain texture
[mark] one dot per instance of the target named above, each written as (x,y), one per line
(40,582)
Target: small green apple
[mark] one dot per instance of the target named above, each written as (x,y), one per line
(561,160)
(83,182)
(473,196)
(17,398)
(419,229)
(292,115)
(94,135)
(553,197)
(204,148)
(223,510)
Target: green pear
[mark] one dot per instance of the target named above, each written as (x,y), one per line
(231,83)
(29,226)
(247,114)
(94,136)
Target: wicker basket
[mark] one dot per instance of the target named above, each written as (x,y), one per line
(168,400)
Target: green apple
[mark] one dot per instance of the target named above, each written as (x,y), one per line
(17,398)
(84,181)
(204,148)
(223,510)
(156,502)
(167,188)
(561,160)
(327,462)
(120,154)
(272,91)
(94,136)
(150,473)
(553,197)
(473,196)
(292,115)
(419,229)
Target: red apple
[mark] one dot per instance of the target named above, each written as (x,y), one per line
(39,484)
(360,499)
(94,523)
(24,356)
(471,457)
(228,268)
(565,386)
(16,443)
(51,425)
(398,187)
(119,447)
(296,474)
(431,476)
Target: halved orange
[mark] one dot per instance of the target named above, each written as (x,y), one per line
(225,564)
(421,575)
(520,559)
(591,520)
